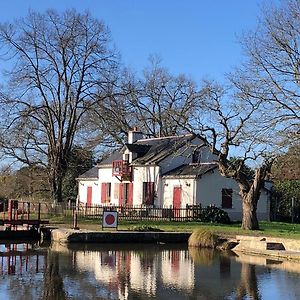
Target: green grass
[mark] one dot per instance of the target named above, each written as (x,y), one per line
(278,229)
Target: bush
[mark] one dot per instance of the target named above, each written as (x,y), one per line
(213,214)
(203,239)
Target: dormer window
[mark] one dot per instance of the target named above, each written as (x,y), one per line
(196,157)
(126,158)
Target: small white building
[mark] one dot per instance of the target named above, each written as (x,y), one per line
(163,172)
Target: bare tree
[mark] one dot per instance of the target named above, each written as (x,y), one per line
(57,64)
(271,73)
(160,94)
(232,127)
(145,103)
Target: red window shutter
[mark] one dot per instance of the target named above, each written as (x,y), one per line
(148,193)
(130,193)
(103,192)
(151,193)
(89,196)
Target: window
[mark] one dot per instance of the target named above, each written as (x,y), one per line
(116,190)
(105,192)
(226,198)
(196,158)
(126,158)
(148,193)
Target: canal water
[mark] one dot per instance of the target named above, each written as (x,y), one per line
(141,272)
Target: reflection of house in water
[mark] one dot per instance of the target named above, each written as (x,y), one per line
(136,272)
(177,269)
(143,269)
(156,272)
(120,271)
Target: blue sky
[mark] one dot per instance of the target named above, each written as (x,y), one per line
(195,37)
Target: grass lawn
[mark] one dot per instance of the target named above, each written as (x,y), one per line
(279,229)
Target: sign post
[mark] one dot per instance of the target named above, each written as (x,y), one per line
(110,219)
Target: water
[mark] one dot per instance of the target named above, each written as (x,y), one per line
(141,272)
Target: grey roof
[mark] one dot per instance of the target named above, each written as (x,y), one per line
(191,170)
(140,149)
(152,150)
(160,148)
(90,174)
(117,155)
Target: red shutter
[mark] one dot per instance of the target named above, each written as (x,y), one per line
(89,196)
(103,192)
(130,194)
(149,193)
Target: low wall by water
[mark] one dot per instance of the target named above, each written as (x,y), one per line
(82,236)
(13,235)
(268,246)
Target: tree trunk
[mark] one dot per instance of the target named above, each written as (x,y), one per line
(250,199)
(249,220)
(53,281)
(57,190)
(56,182)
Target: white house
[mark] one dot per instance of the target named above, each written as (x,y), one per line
(162,172)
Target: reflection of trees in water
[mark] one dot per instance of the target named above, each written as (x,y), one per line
(53,281)
(248,284)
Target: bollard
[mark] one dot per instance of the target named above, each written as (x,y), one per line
(75,220)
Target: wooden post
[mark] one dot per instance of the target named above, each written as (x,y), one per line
(75,220)
(28,213)
(39,212)
(9,210)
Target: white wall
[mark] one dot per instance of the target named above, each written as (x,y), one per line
(146,174)
(82,191)
(209,191)
(105,176)
(187,192)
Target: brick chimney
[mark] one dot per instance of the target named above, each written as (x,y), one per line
(134,135)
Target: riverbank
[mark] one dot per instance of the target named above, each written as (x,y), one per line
(245,244)
(274,229)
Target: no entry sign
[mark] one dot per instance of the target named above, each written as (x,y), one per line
(110,219)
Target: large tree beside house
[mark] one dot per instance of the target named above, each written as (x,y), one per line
(232,126)
(60,65)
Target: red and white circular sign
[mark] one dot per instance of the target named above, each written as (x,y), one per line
(110,219)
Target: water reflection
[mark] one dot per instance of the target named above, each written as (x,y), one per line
(140,272)
(53,280)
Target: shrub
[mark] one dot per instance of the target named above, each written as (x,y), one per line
(213,214)
(203,239)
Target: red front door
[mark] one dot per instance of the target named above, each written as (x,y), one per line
(177,200)
(89,196)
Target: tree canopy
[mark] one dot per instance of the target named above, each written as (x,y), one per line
(60,66)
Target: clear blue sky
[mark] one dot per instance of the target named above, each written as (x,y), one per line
(194,37)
